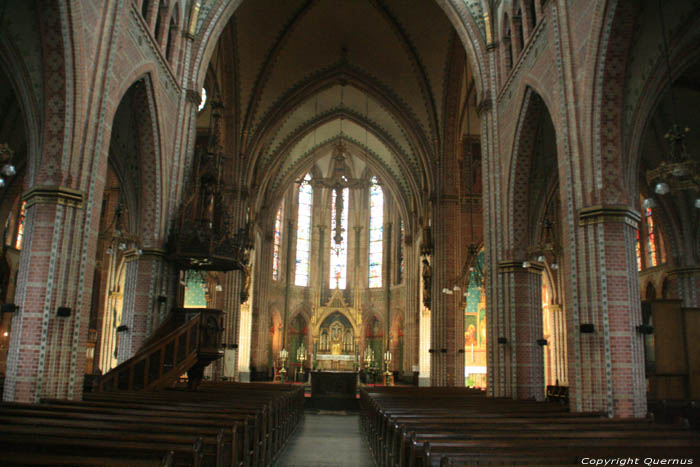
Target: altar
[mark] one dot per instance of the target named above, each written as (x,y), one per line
(330,362)
(336,335)
(333,390)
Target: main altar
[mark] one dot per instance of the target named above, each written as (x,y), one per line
(335,329)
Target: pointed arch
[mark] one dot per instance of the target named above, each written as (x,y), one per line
(150,192)
(532,109)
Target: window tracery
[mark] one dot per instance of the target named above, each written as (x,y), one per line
(277,244)
(652,259)
(20,226)
(301,275)
(376,233)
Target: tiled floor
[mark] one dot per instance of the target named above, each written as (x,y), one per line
(326,439)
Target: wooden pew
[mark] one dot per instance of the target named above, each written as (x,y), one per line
(453,426)
(281,407)
(222,424)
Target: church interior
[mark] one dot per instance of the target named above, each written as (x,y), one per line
(473,225)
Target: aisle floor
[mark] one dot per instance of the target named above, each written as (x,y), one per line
(327,439)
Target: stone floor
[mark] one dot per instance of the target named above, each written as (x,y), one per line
(325,439)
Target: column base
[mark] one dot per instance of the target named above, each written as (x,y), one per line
(244,377)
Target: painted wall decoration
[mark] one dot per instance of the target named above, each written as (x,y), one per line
(475,328)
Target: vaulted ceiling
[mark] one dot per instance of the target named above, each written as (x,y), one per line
(305,73)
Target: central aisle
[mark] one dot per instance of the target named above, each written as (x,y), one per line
(326,438)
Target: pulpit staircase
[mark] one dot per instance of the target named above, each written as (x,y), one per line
(187,341)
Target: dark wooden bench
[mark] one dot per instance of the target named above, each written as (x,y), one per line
(277,408)
(51,432)
(558,394)
(430,426)
(218,425)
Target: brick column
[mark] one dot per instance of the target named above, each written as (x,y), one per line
(232,287)
(521,328)
(413,306)
(447,320)
(685,285)
(147,278)
(260,313)
(131,337)
(47,352)
(606,366)
(152,15)
(162,278)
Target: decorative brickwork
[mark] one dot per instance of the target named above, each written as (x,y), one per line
(581,63)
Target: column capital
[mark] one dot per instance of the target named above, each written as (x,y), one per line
(512,265)
(193,96)
(484,106)
(155,252)
(686,271)
(54,195)
(131,254)
(609,213)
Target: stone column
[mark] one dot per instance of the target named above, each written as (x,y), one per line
(556,346)
(47,352)
(606,361)
(424,357)
(244,335)
(518,333)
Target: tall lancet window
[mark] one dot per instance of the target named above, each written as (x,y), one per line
(652,259)
(306,199)
(339,251)
(376,233)
(277,244)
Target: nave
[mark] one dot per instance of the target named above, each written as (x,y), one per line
(502,195)
(325,439)
(263,424)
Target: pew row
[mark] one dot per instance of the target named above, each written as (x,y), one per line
(456,426)
(220,424)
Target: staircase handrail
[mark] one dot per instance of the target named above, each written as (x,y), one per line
(145,353)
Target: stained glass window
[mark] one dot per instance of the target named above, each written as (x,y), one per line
(639,253)
(651,240)
(306,193)
(20,226)
(376,233)
(277,245)
(402,236)
(339,252)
